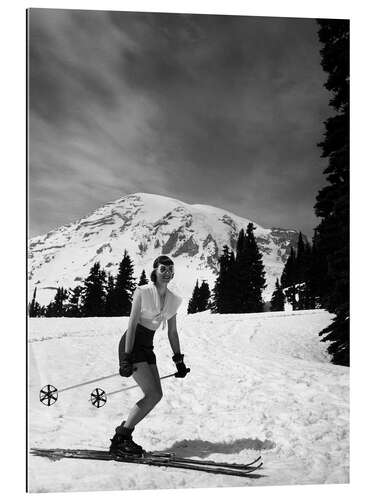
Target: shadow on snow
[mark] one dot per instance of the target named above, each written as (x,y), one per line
(202,449)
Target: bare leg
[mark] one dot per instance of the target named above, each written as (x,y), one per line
(155,373)
(146,379)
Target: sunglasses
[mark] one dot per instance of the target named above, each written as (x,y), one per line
(162,268)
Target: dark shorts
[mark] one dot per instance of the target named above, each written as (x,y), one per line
(143,349)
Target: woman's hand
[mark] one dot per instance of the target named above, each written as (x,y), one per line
(126,366)
(182,371)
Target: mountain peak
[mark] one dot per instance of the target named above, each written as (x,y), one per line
(147,225)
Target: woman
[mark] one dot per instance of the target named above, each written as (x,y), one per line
(153,304)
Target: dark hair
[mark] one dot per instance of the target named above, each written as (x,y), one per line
(162,259)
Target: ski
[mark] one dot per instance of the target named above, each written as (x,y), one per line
(104,455)
(207,462)
(155,459)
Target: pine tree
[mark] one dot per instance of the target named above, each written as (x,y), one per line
(253,292)
(124,287)
(204,296)
(300,271)
(241,273)
(93,301)
(57,307)
(50,310)
(41,311)
(278,298)
(288,276)
(193,302)
(224,285)
(143,279)
(73,308)
(34,306)
(332,202)
(316,274)
(304,264)
(110,300)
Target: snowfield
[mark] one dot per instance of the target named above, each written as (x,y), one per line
(259,383)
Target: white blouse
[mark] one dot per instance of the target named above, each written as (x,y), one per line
(152,314)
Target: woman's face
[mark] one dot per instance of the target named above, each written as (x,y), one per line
(164,273)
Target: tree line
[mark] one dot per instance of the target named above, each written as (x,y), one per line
(240,282)
(237,289)
(299,280)
(102,294)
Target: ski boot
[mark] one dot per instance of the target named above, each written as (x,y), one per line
(122,444)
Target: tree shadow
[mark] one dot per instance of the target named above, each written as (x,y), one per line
(199,448)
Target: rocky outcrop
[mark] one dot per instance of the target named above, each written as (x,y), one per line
(190,247)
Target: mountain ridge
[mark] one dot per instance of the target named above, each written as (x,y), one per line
(147,225)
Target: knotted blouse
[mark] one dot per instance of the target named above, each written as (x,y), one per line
(152,314)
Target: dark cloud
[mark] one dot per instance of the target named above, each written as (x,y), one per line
(223,110)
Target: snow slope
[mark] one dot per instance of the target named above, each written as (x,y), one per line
(258,383)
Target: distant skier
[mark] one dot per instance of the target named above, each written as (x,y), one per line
(153,305)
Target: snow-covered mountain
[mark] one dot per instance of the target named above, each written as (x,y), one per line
(147,225)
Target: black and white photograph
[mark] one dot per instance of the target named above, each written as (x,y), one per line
(188,250)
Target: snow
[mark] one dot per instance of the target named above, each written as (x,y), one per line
(144,224)
(259,383)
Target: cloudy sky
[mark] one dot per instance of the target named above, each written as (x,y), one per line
(218,110)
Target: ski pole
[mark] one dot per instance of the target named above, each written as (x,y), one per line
(48,394)
(98,396)
(133,386)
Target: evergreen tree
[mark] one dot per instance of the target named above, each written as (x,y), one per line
(332,202)
(124,287)
(241,280)
(143,279)
(278,298)
(73,308)
(93,300)
(204,296)
(35,308)
(57,307)
(253,292)
(193,302)
(110,300)
(301,264)
(315,275)
(50,310)
(298,276)
(288,276)
(224,286)
(304,270)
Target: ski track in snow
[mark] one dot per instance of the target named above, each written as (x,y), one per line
(259,383)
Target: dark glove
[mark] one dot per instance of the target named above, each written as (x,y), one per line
(126,366)
(180,365)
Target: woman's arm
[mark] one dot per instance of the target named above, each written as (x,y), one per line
(133,321)
(173,335)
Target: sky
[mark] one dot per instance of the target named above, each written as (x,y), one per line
(218,110)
